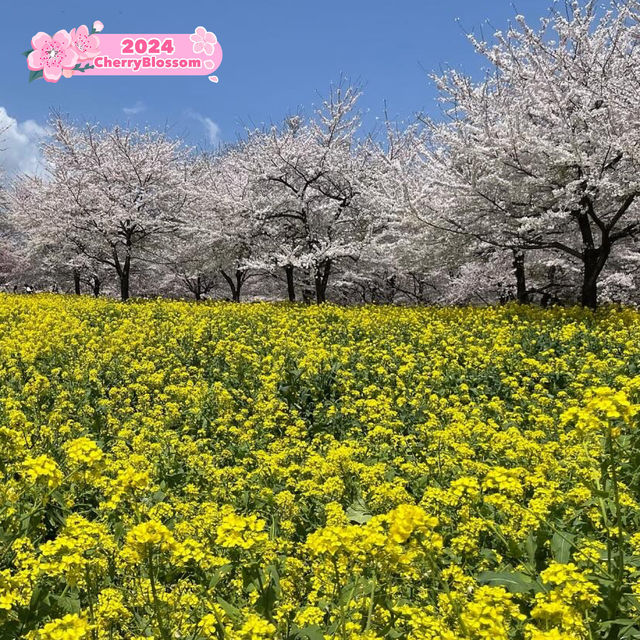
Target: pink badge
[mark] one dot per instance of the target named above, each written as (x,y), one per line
(82,53)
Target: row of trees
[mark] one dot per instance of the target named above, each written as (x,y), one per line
(527,187)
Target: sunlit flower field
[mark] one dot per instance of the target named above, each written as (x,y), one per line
(194,471)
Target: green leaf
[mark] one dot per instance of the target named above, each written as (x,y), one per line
(515,582)
(561,544)
(311,632)
(36,594)
(27,52)
(620,622)
(219,574)
(531,548)
(119,530)
(272,571)
(69,604)
(489,555)
(34,75)
(266,602)
(230,610)
(629,627)
(358,512)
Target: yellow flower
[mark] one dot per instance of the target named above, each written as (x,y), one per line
(149,536)
(251,471)
(42,469)
(407,519)
(256,628)
(243,532)
(70,627)
(85,457)
(111,608)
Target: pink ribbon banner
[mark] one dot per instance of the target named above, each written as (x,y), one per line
(84,52)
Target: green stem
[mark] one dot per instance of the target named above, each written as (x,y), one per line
(154,593)
(619,569)
(92,617)
(371,600)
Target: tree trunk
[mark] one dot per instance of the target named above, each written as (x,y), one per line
(76,282)
(593,258)
(236,286)
(123,271)
(321,279)
(290,288)
(124,280)
(593,263)
(390,292)
(321,294)
(239,283)
(124,289)
(96,286)
(198,289)
(522,295)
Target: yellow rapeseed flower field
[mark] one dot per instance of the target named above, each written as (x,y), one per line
(193,471)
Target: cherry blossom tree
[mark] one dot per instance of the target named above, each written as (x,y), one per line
(113,197)
(527,188)
(48,257)
(223,229)
(544,153)
(306,182)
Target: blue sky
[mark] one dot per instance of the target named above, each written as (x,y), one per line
(277,56)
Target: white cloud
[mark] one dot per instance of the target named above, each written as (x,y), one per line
(211,128)
(138,107)
(20,144)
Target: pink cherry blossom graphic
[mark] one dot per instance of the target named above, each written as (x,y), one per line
(82,51)
(52,55)
(85,45)
(203,41)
